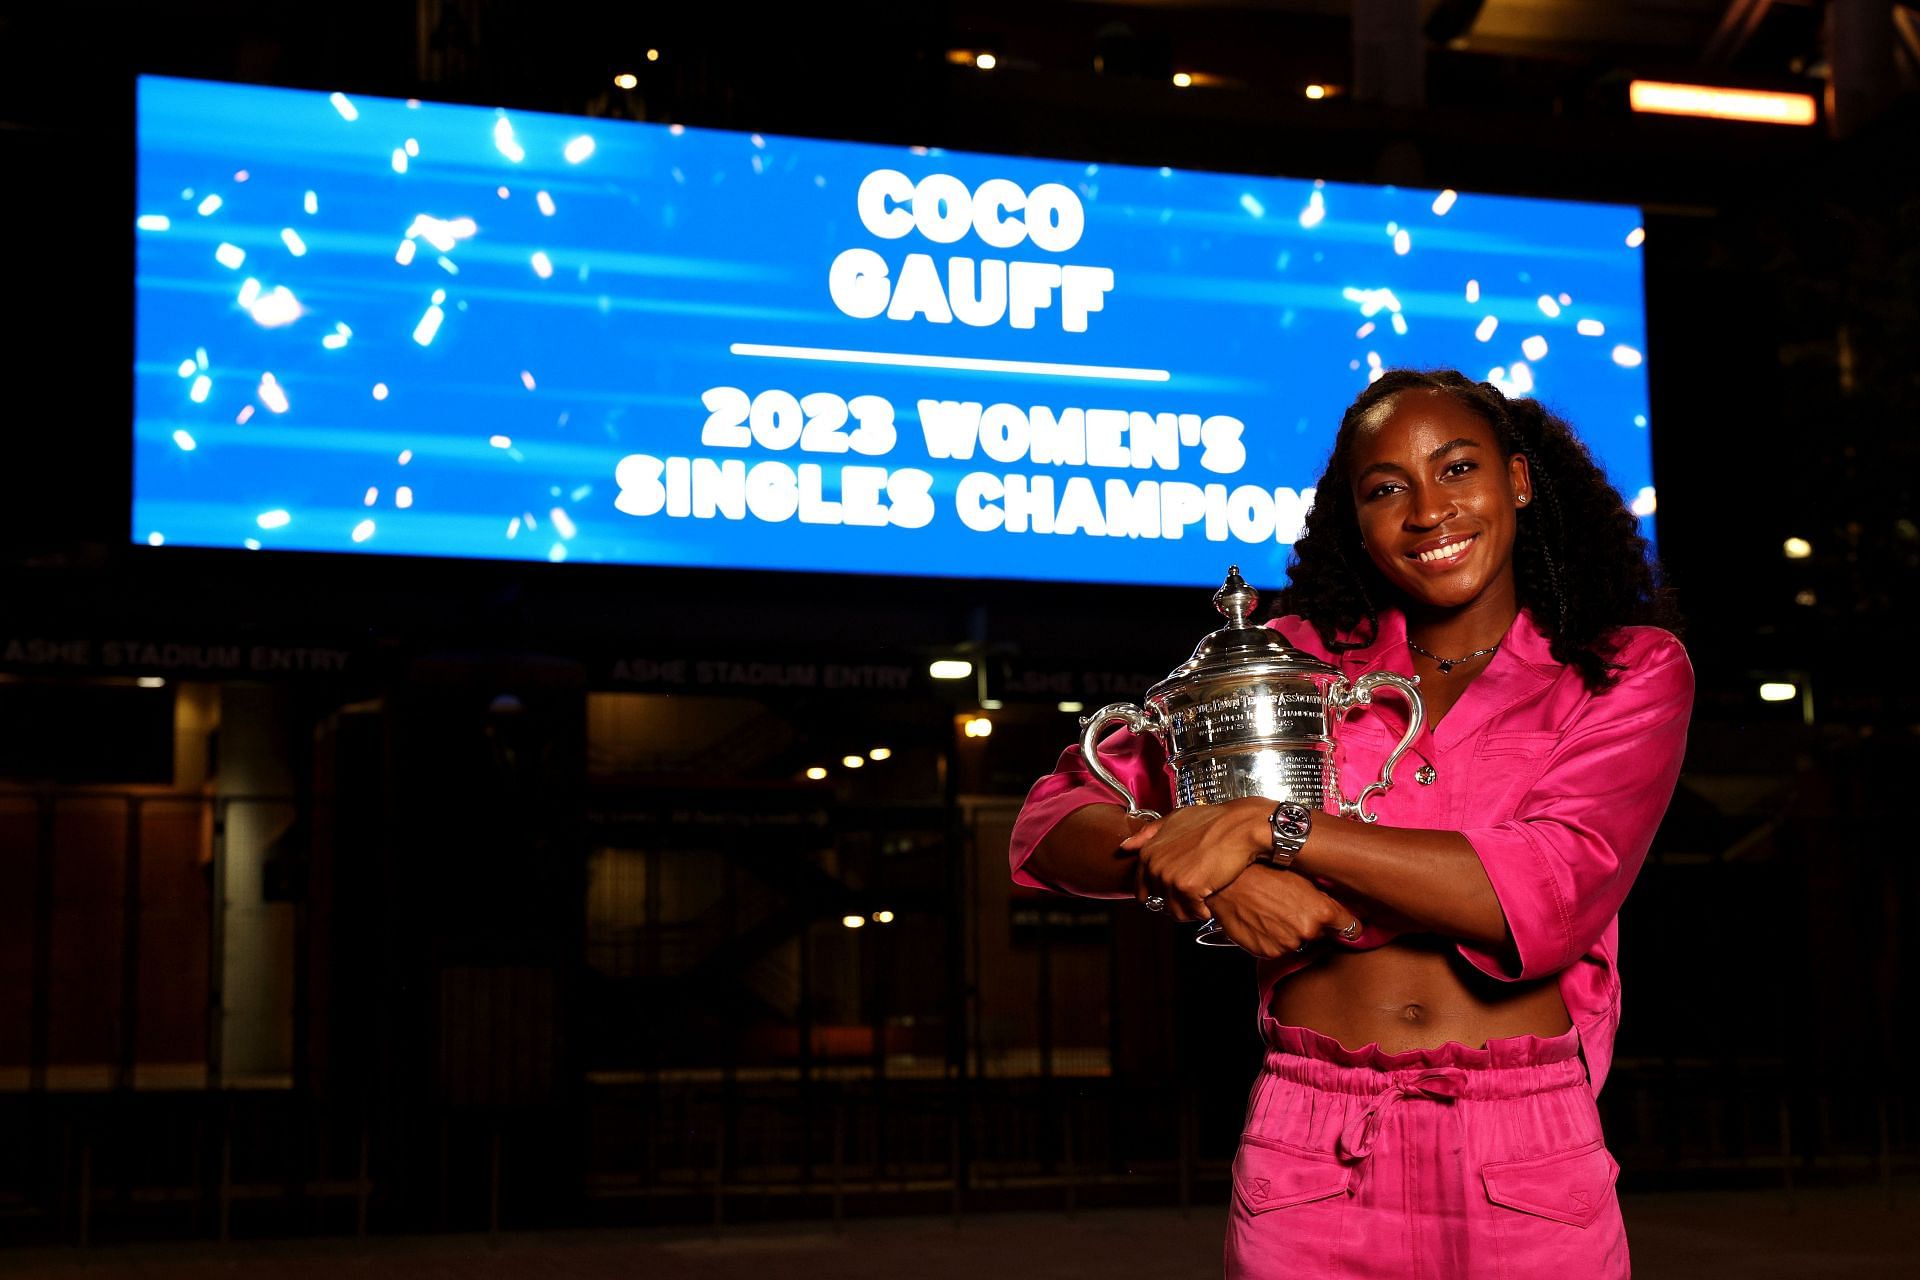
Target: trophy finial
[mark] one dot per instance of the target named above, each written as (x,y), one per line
(1235,599)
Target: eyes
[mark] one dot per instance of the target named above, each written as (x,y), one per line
(1454,470)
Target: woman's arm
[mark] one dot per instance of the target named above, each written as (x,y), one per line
(1433,878)
(1269,913)
(1070,837)
(1081,855)
(1067,836)
(1524,896)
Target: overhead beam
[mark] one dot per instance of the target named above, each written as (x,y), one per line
(1736,26)
(1907,27)
(1860,43)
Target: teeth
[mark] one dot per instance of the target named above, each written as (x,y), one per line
(1444,553)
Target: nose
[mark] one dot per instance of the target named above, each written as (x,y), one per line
(1431,507)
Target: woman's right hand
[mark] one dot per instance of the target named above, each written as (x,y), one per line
(1196,851)
(1273,913)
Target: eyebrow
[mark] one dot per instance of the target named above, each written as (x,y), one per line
(1450,446)
(1461,443)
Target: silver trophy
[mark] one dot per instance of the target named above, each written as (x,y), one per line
(1248,715)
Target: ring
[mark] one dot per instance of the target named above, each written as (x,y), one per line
(1155,902)
(1351,931)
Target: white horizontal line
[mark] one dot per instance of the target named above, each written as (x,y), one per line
(1043,367)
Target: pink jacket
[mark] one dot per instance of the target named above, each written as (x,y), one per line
(1557,789)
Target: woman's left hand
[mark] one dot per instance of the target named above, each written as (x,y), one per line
(1197,851)
(1272,913)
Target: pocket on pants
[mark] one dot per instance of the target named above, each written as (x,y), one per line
(1269,1174)
(1573,1187)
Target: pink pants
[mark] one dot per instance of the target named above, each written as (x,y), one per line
(1447,1162)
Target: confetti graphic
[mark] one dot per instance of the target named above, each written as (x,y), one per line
(380,327)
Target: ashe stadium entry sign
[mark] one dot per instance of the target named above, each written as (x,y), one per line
(373,326)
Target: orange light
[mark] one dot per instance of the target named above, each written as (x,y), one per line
(1758,105)
(1316,91)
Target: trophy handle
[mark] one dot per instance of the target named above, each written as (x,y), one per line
(1345,697)
(1092,727)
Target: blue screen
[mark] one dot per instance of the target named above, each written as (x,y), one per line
(374,326)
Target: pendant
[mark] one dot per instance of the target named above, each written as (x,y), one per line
(1446,668)
(1425,775)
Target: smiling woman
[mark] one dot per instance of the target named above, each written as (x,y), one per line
(1437,990)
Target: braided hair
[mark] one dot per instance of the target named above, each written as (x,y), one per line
(1580,589)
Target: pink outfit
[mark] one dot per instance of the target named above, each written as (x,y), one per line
(1559,791)
(1443,1163)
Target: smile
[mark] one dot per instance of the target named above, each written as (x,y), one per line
(1447,552)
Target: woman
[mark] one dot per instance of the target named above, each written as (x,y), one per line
(1438,993)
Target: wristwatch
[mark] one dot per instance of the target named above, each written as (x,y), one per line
(1290,824)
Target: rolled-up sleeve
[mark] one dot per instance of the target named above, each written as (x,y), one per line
(1136,759)
(1562,864)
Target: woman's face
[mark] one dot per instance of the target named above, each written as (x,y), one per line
(1437,502)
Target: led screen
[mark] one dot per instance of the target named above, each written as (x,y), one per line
(374,326)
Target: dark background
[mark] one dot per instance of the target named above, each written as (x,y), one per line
(458,1050)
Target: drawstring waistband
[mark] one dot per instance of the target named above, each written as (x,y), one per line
(1442,1084)
(1374,1081)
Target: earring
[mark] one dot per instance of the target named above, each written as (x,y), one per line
(1522,499)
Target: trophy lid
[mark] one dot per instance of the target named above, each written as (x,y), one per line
(1241,647)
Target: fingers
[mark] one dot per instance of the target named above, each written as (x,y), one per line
(1181,886)
(1181,901)
(1338,921)
(1186,906)
(1140,837)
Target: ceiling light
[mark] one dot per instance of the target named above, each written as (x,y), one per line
(1797,548)
(991,704)
(151,682)
(1778,691)
(978,727)
(1071,708)
(883,917)
(853,762)
(1757,106)
(817,774)
(626,80)
(950,669)
(853,922)
(1316,91)
(653,55)
(1181,80)
(880,753)
(984,61)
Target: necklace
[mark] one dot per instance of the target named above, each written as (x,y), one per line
(1448,664)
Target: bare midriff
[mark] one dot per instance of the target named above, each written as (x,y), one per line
(1416,992)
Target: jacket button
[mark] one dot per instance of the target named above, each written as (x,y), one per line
(1425,775)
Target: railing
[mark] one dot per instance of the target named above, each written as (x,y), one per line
(120,1145)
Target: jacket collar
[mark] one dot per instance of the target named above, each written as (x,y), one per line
(1522,666)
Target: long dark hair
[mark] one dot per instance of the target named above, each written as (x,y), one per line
(1580,589)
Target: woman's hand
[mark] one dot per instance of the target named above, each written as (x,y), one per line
(1272,913)
(1197,851)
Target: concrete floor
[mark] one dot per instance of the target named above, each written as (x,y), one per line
(1844,1235)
